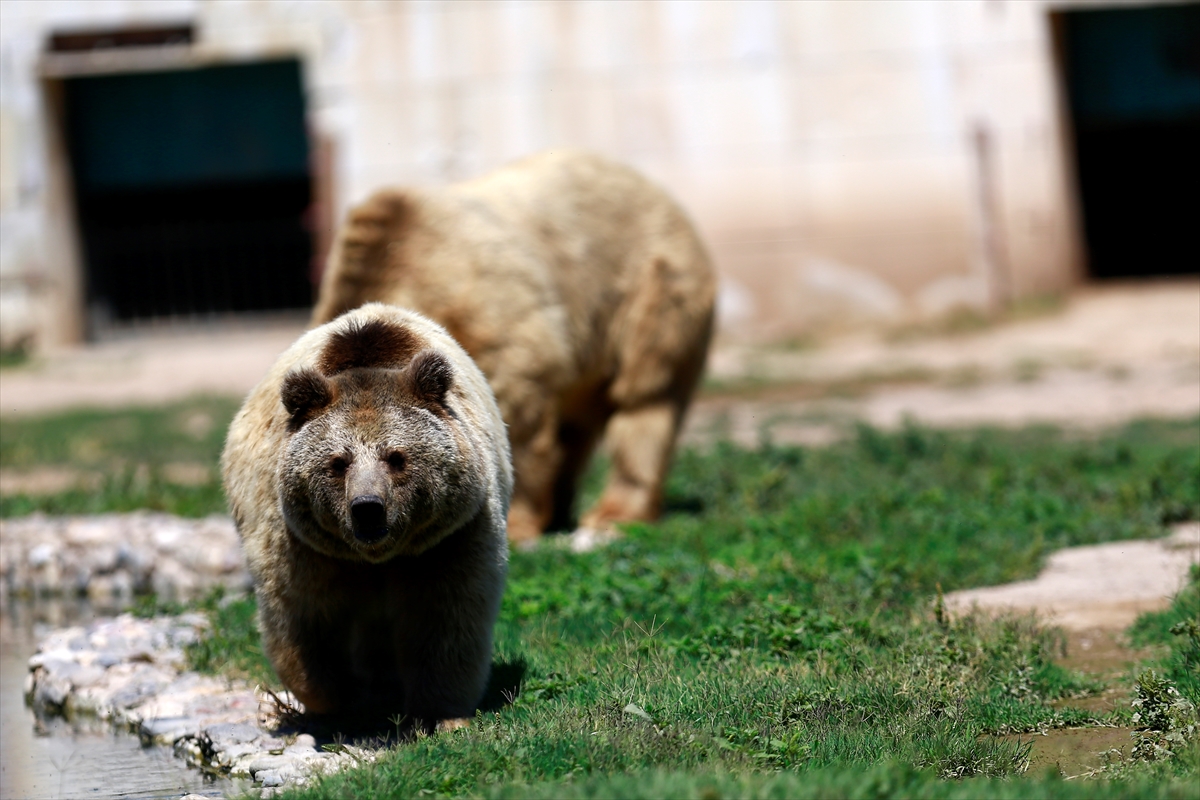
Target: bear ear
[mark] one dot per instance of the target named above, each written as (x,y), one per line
(430,376)
(304,393)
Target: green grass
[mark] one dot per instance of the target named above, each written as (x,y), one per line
(775,635)
(1179,629)
(16,357)
(126,450)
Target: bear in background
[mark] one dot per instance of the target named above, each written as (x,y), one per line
(583,293)
(369,477)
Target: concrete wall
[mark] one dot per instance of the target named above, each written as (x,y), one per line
(845,160)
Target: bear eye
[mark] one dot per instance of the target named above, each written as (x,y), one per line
(338,466)
(396,460)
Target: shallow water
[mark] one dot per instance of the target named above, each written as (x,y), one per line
(85,759)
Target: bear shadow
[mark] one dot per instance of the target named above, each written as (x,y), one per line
(378,731)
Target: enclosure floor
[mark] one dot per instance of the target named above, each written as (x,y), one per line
(1108,354)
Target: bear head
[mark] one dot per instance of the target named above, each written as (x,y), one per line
(377,463)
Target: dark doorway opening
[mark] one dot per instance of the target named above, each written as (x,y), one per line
(192,190)
(1132,78)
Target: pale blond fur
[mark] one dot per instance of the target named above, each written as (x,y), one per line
(399,622)
(581,290)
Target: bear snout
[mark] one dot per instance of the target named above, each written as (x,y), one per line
(370,518)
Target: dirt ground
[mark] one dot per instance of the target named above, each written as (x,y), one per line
(1107,354)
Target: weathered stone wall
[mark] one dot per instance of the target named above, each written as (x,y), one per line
(846,160)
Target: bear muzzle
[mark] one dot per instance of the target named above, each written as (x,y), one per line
(369,516)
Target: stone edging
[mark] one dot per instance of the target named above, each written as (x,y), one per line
(113,556)
(131,672)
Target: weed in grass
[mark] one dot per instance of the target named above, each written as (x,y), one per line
(1165,704)
(1166,720)
(1179,628)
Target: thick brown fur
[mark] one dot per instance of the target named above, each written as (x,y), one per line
(581,290)
(369,476)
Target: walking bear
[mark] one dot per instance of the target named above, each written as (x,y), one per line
(369,477)
(581,290)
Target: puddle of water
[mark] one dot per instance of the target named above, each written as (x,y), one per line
(1106,655)
(59,759)
(1102,653)
(1073,751)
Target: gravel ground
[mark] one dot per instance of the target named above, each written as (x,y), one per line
(1108,355)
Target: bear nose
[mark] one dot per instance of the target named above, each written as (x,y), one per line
(370,518)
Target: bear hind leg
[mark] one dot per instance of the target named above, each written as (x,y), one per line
(640,442)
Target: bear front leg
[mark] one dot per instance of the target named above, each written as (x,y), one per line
(640,442)
(304,667)
(448,683)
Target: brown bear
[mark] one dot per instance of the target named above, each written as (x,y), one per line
(581,290)
(369,477)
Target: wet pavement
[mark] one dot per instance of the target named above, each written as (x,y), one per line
(53,758)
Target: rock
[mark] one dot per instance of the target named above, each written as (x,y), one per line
(232,733)
(268,763)
(132,672)
(304,747)
(40,556)
(50,694)
(269,777)
(166,730)
(111,555)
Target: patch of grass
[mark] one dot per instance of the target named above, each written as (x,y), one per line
(14,357)
(193,430)
(234,648)
(775,635)
(1179,628)
(130,447)
(1028,370)
(964,321)
(892,779)
(126,489)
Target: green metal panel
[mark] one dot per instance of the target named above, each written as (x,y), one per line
(1134,64)
(241,122)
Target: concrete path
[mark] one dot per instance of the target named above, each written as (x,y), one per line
(1109,354)
(1102,586)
